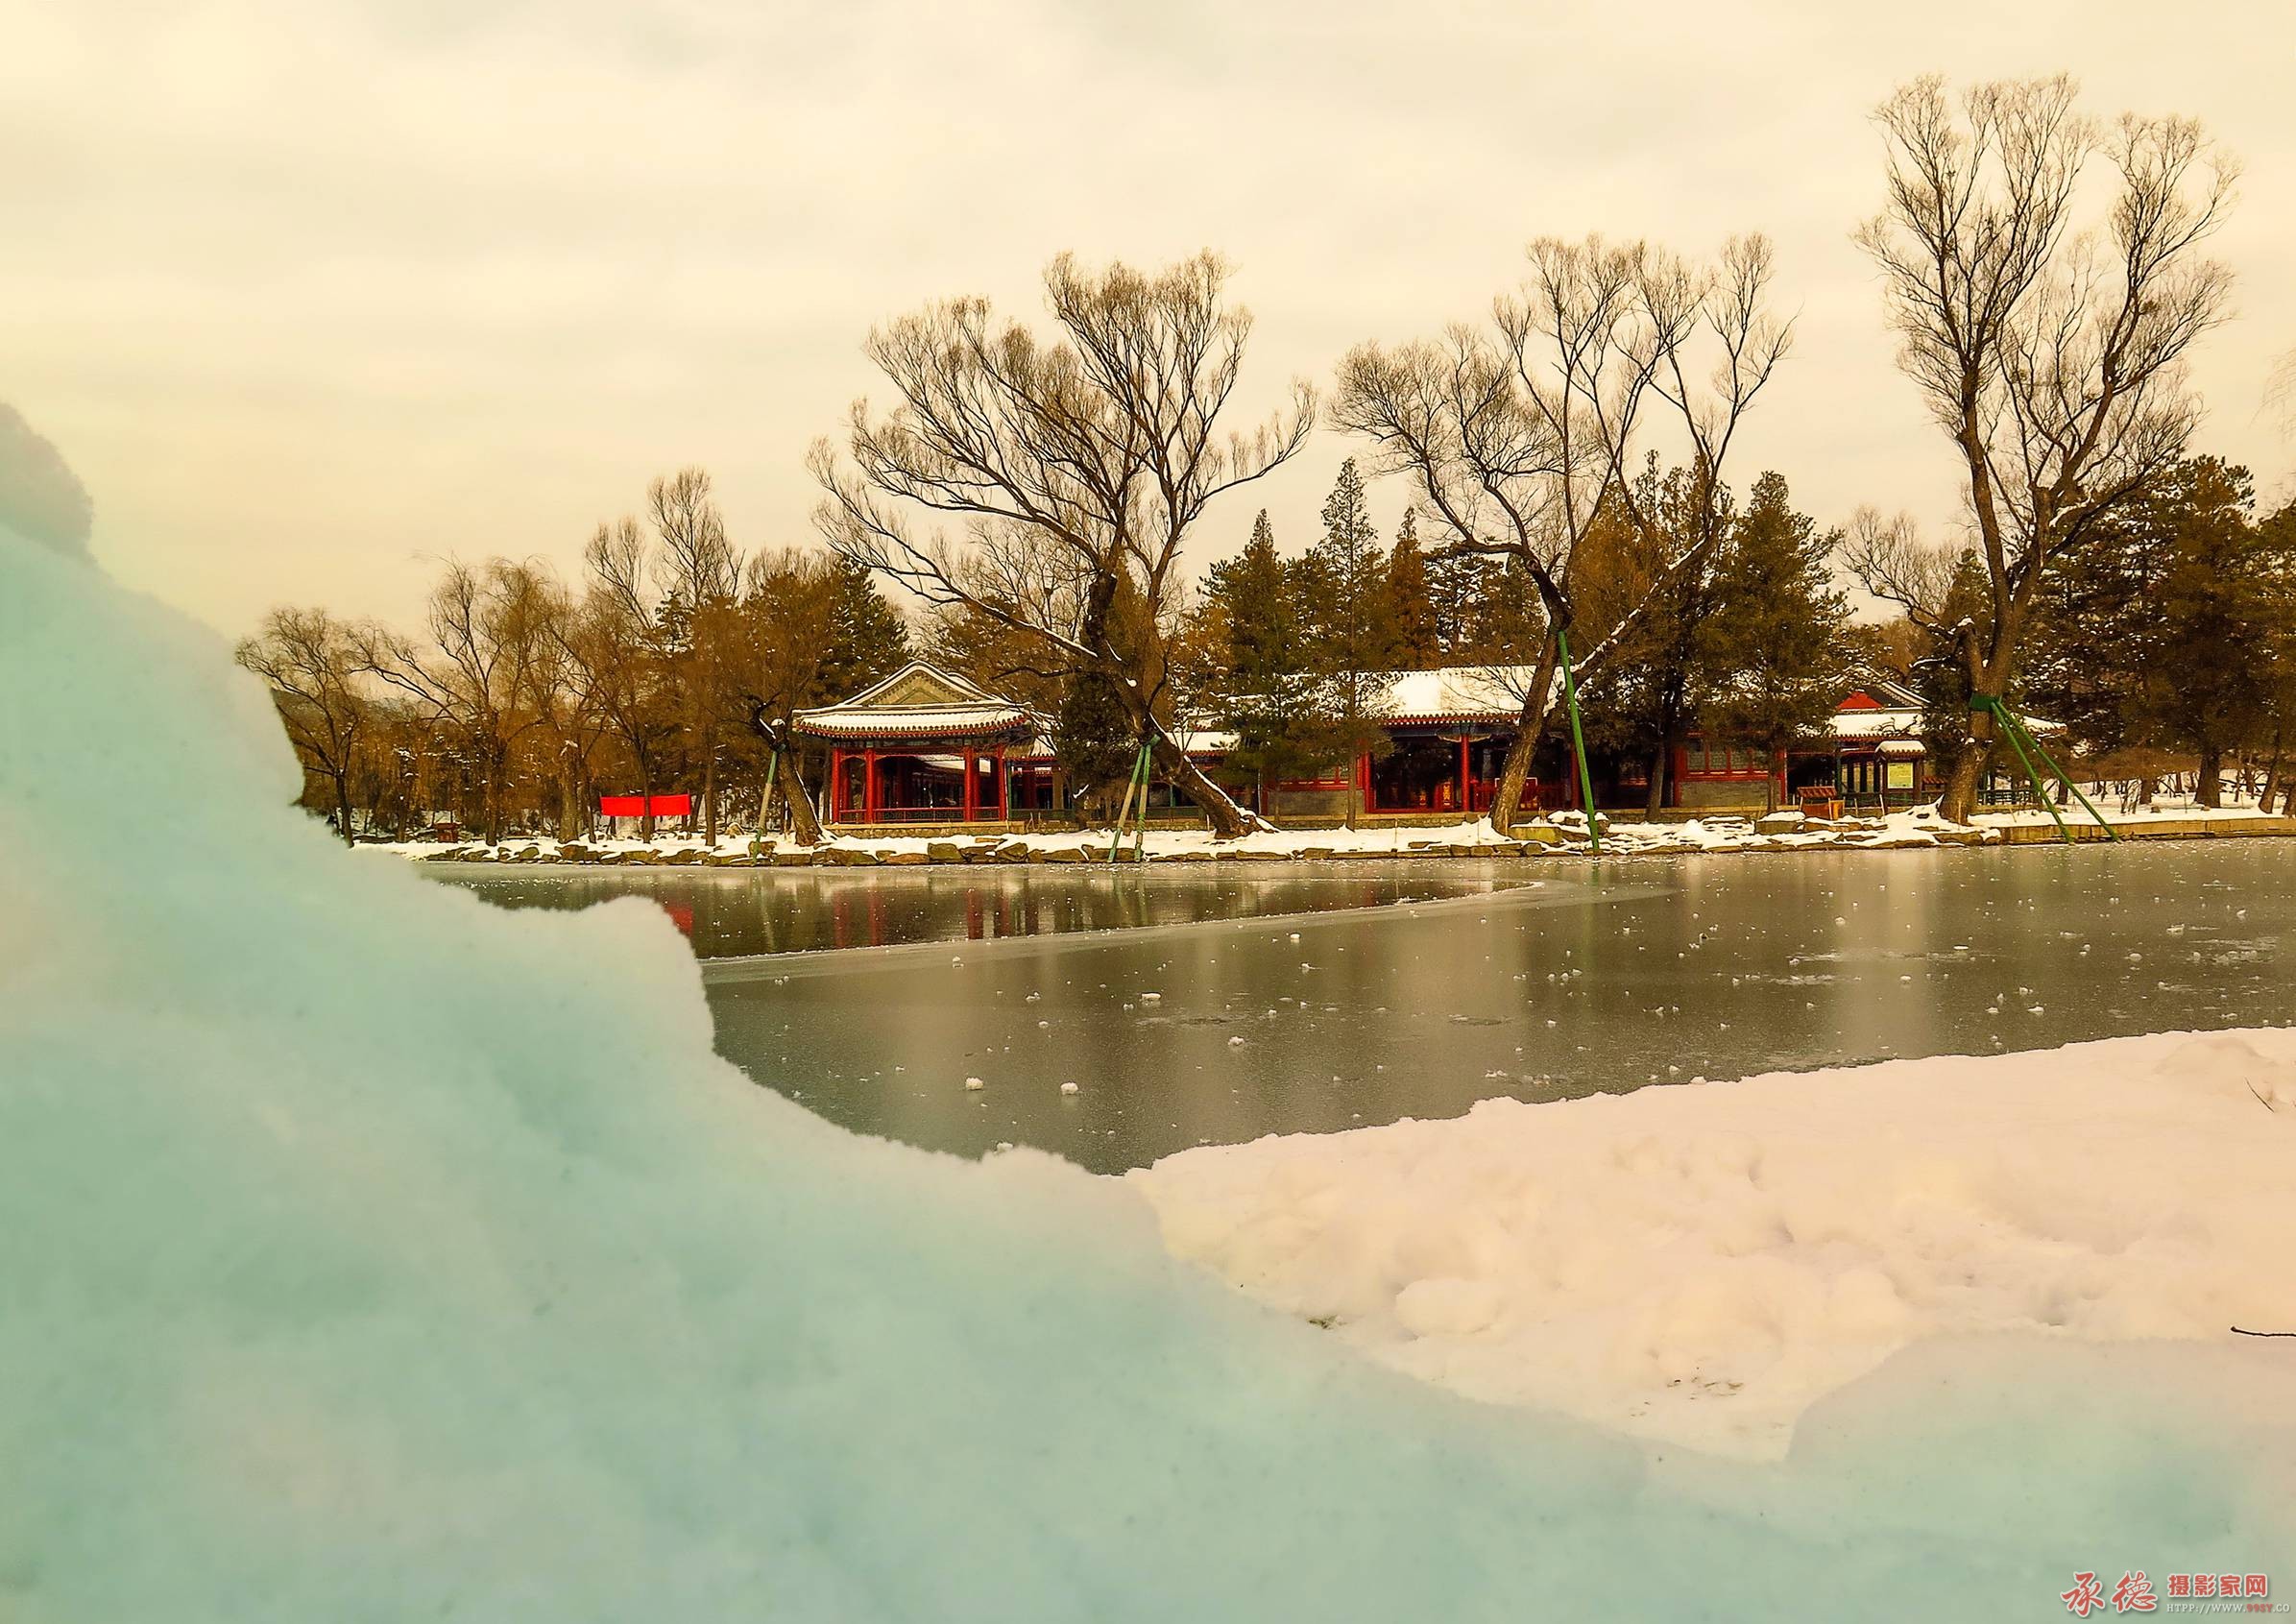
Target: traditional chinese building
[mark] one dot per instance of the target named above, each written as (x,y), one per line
(928,746)
(922,746)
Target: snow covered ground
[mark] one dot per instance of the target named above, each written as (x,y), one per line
(1700,1264)
(1564,834)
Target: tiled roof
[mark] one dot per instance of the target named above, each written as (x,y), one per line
(1880,724)
(911,721)
(1457,693)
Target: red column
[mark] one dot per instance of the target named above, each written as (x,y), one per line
(837,784)
(971,786)
(1467,783)
(1363,782)
(869,786)
(1004,800)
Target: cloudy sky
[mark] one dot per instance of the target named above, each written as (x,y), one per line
(313,294)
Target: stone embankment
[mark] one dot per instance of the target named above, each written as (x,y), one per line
(1564,836)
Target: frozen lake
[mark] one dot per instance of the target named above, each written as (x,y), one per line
(1291,998)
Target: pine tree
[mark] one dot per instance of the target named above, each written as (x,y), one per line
(1352,636)
(1418,637)
(1942,680)
(2166,624)
(1644,701)
(868,640)
(2221,604)
(1775,646)
(1251,654)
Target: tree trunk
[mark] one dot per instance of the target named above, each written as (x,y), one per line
(2208,784)
(490,805)
(2264,800)
(343,809)
(791,783)
(1654,803)
(1229,821)
(1507,796)
(710,801)
(1959,803)
(1987,670)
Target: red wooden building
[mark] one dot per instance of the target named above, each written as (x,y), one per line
(922,746)
(926,746)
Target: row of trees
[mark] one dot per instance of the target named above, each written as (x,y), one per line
(1745,638)
(2168,633)
(674,662)
(1567,460)
(1043,484)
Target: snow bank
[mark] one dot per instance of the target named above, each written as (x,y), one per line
(1563,833)
(1699,1264)
(369,1253)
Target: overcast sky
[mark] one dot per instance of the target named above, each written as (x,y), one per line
(312,294)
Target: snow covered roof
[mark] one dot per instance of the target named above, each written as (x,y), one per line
(919,701)
(1866,725)
(1457,693)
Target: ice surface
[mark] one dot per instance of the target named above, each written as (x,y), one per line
(369,1253)
(1699,1265)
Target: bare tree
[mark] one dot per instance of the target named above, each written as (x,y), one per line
(698,563)
(696,573)
(2051,357)
(1519,432)
(477,681)
(312,664)
(571,729)
(1072,467)
(614,654)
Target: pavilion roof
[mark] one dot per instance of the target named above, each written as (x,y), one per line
(1457,693)
(921,700)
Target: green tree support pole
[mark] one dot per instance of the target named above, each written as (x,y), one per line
(2035,745)
(2027,747)
(773,783)
(1570,700)
(2041,791)
(1137,784)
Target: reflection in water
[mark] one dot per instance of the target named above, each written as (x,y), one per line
(1601,977)
(735,912)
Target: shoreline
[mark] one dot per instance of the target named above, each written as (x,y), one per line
(1560,839)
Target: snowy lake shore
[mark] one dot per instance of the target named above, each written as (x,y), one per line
(1699,1265)
(1564,834)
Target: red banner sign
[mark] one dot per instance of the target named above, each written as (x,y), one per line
(636,806)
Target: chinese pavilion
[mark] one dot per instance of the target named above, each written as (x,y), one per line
(922,746)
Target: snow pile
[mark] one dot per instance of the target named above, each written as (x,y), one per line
(369,1253)
(1699,1264)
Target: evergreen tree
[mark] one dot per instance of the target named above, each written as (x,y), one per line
(1459,587)
(1644,701)
(1418,637)
(1251,663)
(1352,635)
(2166,625)
(868,639)
(2222,605)
(1938,677)
(1778,644)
